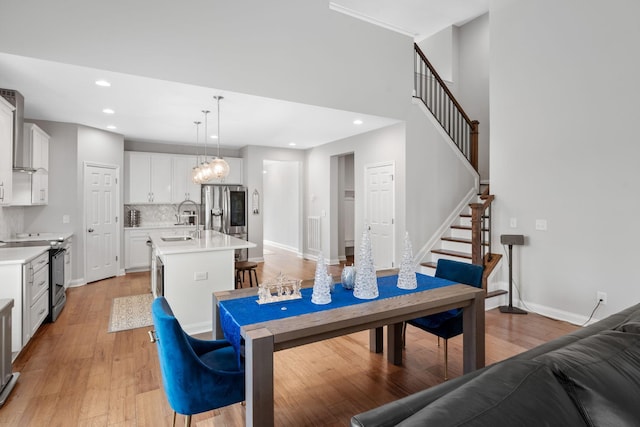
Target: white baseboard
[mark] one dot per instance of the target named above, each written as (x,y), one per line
(77,282)
(281,246)
(256,259)
(198,328)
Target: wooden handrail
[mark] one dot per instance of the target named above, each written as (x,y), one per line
(444,86)
(445,108)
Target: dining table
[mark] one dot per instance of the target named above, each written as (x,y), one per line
(258,330)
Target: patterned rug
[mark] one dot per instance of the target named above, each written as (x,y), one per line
(130,312)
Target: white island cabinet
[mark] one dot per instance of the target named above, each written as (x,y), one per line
(192,270)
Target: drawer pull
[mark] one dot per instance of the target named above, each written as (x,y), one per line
(41,283)
(42,312)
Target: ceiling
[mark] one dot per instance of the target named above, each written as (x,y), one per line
(161,111)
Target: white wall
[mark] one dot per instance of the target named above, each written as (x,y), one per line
(564,113)
(387,144)
(254,157)
(472,89)
(294,50)
(438,177)
(281,204)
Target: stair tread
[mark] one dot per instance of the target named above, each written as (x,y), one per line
(496,293)
(452,253)
(465,227)
(429,264)
(460,240)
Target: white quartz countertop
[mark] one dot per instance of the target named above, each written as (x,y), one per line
(209,241)
(159,226)
(20,255)
(36,236)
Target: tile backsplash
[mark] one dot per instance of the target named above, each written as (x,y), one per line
(11,221)
(155,214)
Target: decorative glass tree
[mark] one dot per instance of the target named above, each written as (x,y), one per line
(366,284)
(406,276)
(321,284)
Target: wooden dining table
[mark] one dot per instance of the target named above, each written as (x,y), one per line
(263,338)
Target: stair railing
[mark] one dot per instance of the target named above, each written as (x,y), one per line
(481,230)
(436,96)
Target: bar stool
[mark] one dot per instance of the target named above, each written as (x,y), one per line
(241,267)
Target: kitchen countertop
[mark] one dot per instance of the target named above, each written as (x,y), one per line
(157,226)
(209,241)
(36,236)
(20,255)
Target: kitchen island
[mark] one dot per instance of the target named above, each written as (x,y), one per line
(187,270)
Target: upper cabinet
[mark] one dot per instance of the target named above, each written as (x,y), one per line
(183,188)
(33,189)
(6,151)
(147,178)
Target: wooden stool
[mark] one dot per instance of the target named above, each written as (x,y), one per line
(241,267)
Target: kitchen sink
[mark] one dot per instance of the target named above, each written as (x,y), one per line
(176,238)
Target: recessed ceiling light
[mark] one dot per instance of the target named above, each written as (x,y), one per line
(103,83)
(214,136)
(292,144)
(111,127)
(108,111)
(357,122)
(264,171)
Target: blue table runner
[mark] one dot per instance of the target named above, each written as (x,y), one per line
(235,313)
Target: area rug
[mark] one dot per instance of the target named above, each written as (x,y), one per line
(130,312)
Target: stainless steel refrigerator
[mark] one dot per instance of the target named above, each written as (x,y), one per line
(224,209)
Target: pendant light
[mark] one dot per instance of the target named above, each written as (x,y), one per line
(195,171)
(206,173)
(218,166)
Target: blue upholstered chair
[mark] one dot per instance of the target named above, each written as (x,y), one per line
(449,323)
(197,375)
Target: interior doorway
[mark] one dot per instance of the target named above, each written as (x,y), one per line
(282,205)
(100,220)
(346,206)
(379,207)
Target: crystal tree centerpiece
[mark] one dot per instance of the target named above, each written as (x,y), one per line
(406,276)
(321,284)
(366,283)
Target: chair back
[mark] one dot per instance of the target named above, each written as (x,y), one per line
(191,385)
(460,272)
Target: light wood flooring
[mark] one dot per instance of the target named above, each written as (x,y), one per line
(75,373)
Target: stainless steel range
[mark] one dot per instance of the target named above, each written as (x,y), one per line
(58,243)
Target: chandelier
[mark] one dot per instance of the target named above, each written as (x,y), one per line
(217,168)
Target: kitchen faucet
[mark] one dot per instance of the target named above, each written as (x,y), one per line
(197,231)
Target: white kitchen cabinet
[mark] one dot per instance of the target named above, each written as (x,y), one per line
(67,262)
(147,178)
(137,254)
(28,285)
(38,140)
(6,152)
(33,189)
(182,187)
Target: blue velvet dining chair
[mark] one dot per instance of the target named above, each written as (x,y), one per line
(448,324)
(197,375)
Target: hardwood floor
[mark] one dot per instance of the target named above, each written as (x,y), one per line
(74,372)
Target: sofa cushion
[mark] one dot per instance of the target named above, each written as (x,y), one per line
(601,373)
(511,393)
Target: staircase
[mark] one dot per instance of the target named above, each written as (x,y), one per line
(458,242)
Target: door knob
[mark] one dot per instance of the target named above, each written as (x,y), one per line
(90,230)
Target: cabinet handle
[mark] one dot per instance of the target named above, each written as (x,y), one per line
(42,312)
(42,261)
(41,283)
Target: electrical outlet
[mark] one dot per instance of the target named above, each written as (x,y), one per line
(602,297)
(541,224)
(200,275)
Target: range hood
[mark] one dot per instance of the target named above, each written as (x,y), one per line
(22,159)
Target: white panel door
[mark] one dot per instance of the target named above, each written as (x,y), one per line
(379,209)
(100,191)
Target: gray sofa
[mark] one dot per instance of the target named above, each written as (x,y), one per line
(590,377)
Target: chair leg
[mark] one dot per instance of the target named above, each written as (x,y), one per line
(187,421)
(173,424)
(446,359)
(255,276)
